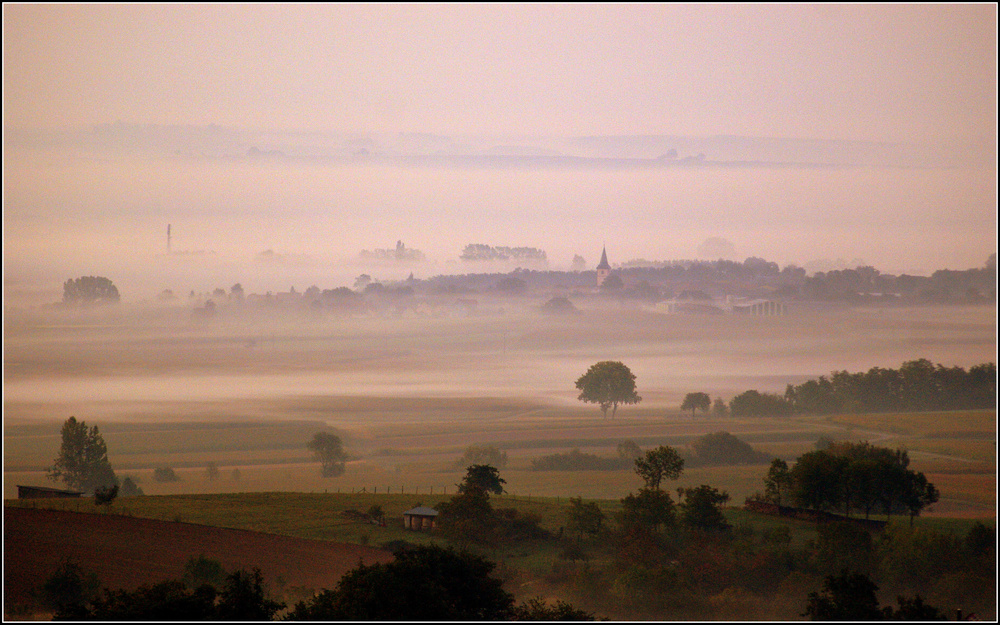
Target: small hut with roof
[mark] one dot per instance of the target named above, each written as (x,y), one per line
(420,518)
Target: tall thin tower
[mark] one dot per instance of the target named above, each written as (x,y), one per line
(603,268)
(168,238)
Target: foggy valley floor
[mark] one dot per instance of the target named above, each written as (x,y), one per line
(409,394)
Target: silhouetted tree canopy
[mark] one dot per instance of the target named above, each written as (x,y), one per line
(82,462)
(482,477)
(608,383)
(755,404)
(696,401)
(329,450)
(482,454)
(89,290)
(860,477)
(700,508)
(421,584)
(657,464)
(916,385)
(722,448)
(852,597)
(242,598)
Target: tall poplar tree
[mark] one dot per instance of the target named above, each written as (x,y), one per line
(82,462)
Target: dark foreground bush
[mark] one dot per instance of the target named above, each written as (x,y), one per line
(426,584)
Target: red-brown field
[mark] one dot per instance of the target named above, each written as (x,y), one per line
(126,552)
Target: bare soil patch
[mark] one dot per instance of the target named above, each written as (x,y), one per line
(126,552)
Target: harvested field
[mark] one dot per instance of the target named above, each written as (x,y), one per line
(126,552)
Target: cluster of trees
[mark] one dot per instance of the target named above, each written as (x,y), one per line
(428,583)
(755,404)
(480,252)
(851,478)
(974,286)
(680,556)
(852,597)
(747,404)
(469,517)
(575,460)
(90,290)
(205,593)
(722,448)
(422,583)
(717,448)
(482,454)
(916,385)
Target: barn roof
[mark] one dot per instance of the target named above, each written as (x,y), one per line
(421,511)
(47,489)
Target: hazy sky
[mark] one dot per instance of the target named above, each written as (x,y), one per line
(878,73)
(843,71)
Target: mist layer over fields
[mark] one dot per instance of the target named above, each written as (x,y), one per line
(514,353)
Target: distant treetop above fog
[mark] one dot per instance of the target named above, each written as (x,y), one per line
(479,252)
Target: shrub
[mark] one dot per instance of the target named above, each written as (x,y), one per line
(482,454)
(165,474)
(722,448)
(576,460)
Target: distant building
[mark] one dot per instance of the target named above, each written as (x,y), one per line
(603,268)
(420,518)
(760,307)
(43,492)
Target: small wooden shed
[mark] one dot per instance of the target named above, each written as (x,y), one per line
(420,518)
(43,492)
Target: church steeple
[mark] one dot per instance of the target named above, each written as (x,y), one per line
(603,268)
(604,259)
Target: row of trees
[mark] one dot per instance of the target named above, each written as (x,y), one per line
(970,286)
(916,386)
(851,478)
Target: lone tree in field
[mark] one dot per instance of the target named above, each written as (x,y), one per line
(82,462)
(329,450)
(608,383)
(657,464)
(696,401)
(482,477)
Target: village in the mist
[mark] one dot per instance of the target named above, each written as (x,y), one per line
(282,210)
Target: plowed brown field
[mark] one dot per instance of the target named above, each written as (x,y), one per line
(127,552)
